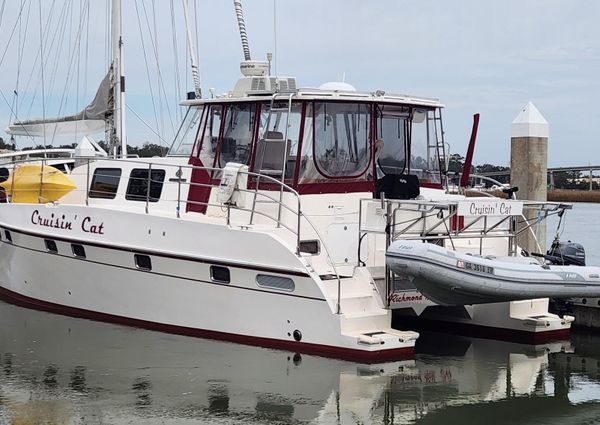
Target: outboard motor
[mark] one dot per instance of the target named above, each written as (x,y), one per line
(566,254)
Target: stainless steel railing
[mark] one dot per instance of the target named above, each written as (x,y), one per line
(274,194)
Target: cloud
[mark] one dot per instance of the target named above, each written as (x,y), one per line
(487,57)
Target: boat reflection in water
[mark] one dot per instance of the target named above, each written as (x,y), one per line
(57,370)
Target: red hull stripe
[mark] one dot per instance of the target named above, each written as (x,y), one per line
(159,253)
(300,347)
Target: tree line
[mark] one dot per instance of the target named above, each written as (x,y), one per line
(562,179)
(146,150)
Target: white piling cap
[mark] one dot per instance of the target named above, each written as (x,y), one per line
(529,123)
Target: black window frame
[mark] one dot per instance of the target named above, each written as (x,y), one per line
(138,265)
(103,194)
(80,254)
(220,269)
(51,246)
(157,179)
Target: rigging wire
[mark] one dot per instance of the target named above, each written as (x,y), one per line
(177,79)
(2,12)
(12,33)
(42,69)
(148,125)
(158,76)
(146,61)
(161,88)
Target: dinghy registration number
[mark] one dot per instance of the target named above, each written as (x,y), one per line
(474,267)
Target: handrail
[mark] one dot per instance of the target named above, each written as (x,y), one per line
(291,204)
(429,209)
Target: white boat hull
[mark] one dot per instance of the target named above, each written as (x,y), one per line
(177,294)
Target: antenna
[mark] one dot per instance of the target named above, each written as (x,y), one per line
(244,36)
(193,60)
(248,67)
(274,35)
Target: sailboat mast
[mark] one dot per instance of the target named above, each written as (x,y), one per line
(193,60)
(118,135)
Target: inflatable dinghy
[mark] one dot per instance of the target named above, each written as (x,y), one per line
(455,278)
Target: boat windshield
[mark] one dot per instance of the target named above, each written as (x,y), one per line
(186,136)
(336,141)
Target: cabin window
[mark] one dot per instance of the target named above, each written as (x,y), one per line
(7,236)
(423,153)
(238,131)
(310,247)
(211,128)
(51,246)
(78,250)
(137,188)
(220,274)
(393,130)
(105,183)
(275,282)
(186,135)
(4,173)
(272,152)
(142,262)
(341,138)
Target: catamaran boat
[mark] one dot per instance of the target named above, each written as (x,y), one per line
(267,224)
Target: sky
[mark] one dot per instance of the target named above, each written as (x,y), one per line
(476,57)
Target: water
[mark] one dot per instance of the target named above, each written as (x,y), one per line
(61,370)
(582,225)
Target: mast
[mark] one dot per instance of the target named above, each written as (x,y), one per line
(193,60)
(118,131)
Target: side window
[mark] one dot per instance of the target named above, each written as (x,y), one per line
(423,153)
(272,152)
(341,141)
(220,274)
(78,250)
(238,130)
(186,135)
(208,136)
(51,246)
(137,188)
(142,262)
(392,130)
(105,183)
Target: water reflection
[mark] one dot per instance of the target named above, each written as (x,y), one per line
(62,370)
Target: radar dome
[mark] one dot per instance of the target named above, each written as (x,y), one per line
(337,86)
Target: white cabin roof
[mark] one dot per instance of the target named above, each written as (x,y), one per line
(310,93)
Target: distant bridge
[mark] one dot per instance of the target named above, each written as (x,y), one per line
(589,168)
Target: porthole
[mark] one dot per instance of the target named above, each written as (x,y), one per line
(275,282)
(50,246)
(143,262)
(310,247)
(7,236)
(220,274)
(78,250)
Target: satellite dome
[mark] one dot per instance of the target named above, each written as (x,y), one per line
(337,86)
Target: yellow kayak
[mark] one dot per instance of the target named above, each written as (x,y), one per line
(36,183)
